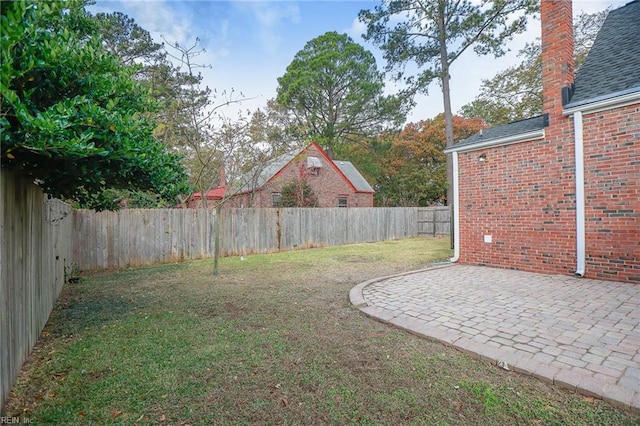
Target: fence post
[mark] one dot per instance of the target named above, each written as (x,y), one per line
(435,215)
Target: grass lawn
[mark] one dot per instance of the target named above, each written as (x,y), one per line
(273,339)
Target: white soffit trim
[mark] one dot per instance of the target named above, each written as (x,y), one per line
(617,102)
(509,140)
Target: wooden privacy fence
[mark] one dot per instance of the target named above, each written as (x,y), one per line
(134,237)
(44,239)
(34,253)
(125,238)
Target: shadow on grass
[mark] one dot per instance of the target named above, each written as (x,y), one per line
(103,298)
(76,311)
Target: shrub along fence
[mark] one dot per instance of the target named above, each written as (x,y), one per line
(34,252)
(125,238)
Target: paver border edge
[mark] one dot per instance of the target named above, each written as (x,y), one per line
(581,384)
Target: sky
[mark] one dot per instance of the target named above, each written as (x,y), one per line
(249,44)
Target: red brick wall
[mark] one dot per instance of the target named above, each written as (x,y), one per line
(243,200)
(523,197)
(612,192)
(327,185)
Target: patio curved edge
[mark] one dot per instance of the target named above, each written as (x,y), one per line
(512,360)
(355,294)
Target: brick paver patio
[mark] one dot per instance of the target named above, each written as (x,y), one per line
(577,333)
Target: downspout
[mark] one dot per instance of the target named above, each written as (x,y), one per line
(580,203)
(456,210)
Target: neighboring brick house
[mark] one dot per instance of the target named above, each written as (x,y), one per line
(335,183)
(560,193)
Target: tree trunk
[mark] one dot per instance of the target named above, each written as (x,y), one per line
(216,237)
(446,95)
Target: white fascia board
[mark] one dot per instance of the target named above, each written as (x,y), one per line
(605,104)
(522,137)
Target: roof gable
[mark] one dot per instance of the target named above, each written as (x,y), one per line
(273,168)
(612,66)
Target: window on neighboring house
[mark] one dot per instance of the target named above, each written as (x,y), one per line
(275,199)
(342,202)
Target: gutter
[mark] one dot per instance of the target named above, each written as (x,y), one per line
(456,210)
(522,137)
(603,103)
(580,199)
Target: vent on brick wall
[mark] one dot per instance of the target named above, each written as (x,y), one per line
(314,165)
(313,162)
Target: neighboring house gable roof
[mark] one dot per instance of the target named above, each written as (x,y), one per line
(347,170)
(612,66)
(515,131)
(354,176)
(264,173)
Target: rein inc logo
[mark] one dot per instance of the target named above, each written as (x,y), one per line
(6,420)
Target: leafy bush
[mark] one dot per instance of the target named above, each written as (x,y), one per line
(73,117)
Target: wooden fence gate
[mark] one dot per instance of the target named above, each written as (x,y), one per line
(433,221)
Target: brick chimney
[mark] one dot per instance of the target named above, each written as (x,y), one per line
(557,54)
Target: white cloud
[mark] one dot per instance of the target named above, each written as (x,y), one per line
(179,22)
(217,43)
(162,19)
(356,30)
(270,17)
(593,6)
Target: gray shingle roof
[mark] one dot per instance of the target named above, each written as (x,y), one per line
(354,176)
(514,128)
(613,64)
(251,181)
